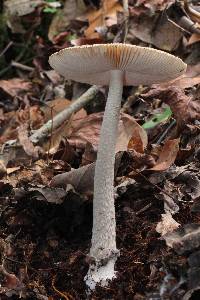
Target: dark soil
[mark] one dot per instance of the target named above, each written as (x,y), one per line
(49,246)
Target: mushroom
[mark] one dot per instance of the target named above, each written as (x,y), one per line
(114,65)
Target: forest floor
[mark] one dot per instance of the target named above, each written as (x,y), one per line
(46,224)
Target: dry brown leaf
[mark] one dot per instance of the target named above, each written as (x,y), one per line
(30,115)
(167,224)
(184,109)
(195,37)
(12,170)
(184,239)
(81,179)
(149,7)
(71,10)
(161,33)
(21,7)
(87,130)
(131,135)
(25,142)
(187,80)
(105,16)
(14,86)
(56,195)
(167,155)
(89,154)
(84,41)
(54,107)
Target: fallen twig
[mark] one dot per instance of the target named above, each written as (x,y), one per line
(6,48)
(126,16)
(45,130)
(21,66)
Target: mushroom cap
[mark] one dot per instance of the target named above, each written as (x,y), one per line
(92,64)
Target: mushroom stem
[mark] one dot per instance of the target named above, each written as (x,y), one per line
(103,248)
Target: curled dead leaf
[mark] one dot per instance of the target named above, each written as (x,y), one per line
(160,32)
(167,155)
(190,78)
(87,130)
(167,224)
(185,110)
(15,86)
(25,142)
(105,16)
(147,7)
(81,179)
(184,239)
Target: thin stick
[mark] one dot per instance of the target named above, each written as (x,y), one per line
(21,66)
(163,135)
(50,142)
(126,16)
(58,120)
(6,48)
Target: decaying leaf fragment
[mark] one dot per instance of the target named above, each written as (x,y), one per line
(15,86)
(167,224)
(184,239)
(190,78)
(21,7)
(167,155)
(82,179)
(87,130)
(25,142)
(71,10)
(185,110)
(160,32)
(148,7)
(106,16)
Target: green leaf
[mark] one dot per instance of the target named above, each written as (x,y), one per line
(158,118)
(50,10)
(72,37)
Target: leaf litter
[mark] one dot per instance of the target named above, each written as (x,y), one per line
(46,189)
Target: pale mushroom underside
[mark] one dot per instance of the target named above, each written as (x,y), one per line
(92,64)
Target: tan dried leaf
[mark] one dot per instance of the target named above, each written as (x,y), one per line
(187,80)
(14,86)
(105,16)
(53,108)
(163,34)
(131,135)
(194,38)
(25,142)
(87,130)
(167,155)
(167,224)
